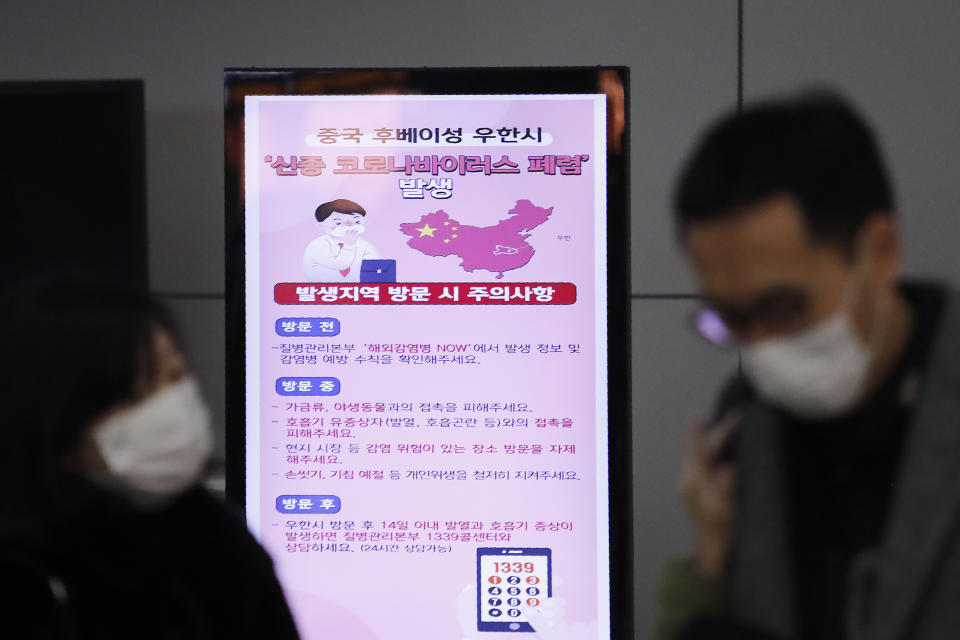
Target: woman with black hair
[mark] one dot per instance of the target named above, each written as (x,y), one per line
(105,531)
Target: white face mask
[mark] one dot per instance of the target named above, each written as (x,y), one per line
(341,230)
(818,373)
(159,447)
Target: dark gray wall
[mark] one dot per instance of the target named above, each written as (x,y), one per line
(898,60)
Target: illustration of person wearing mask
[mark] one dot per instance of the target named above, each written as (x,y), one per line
(336,255)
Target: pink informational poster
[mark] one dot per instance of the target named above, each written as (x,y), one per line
(425,362)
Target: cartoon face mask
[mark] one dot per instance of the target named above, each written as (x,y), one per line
(341,230)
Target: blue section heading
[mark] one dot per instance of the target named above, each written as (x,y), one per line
(308,386)
(307,327)
(308,504)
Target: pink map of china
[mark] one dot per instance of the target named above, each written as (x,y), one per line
(498,248)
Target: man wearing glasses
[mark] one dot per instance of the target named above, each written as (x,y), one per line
(826,492)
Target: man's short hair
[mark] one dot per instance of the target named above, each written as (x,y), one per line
(814,147)
(338,206)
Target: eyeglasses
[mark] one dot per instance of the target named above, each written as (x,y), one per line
(779,311)
(708,323)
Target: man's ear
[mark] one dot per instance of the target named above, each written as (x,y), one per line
(881,247)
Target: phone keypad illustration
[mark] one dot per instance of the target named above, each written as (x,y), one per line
(509,579)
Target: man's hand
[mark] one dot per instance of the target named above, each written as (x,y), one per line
(349,238)
(707,486)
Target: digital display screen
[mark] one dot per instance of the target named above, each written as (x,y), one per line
(426,359)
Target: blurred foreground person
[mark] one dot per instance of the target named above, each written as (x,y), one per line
(826,490)
(104,529)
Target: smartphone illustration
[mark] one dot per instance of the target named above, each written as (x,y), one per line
(507,579)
